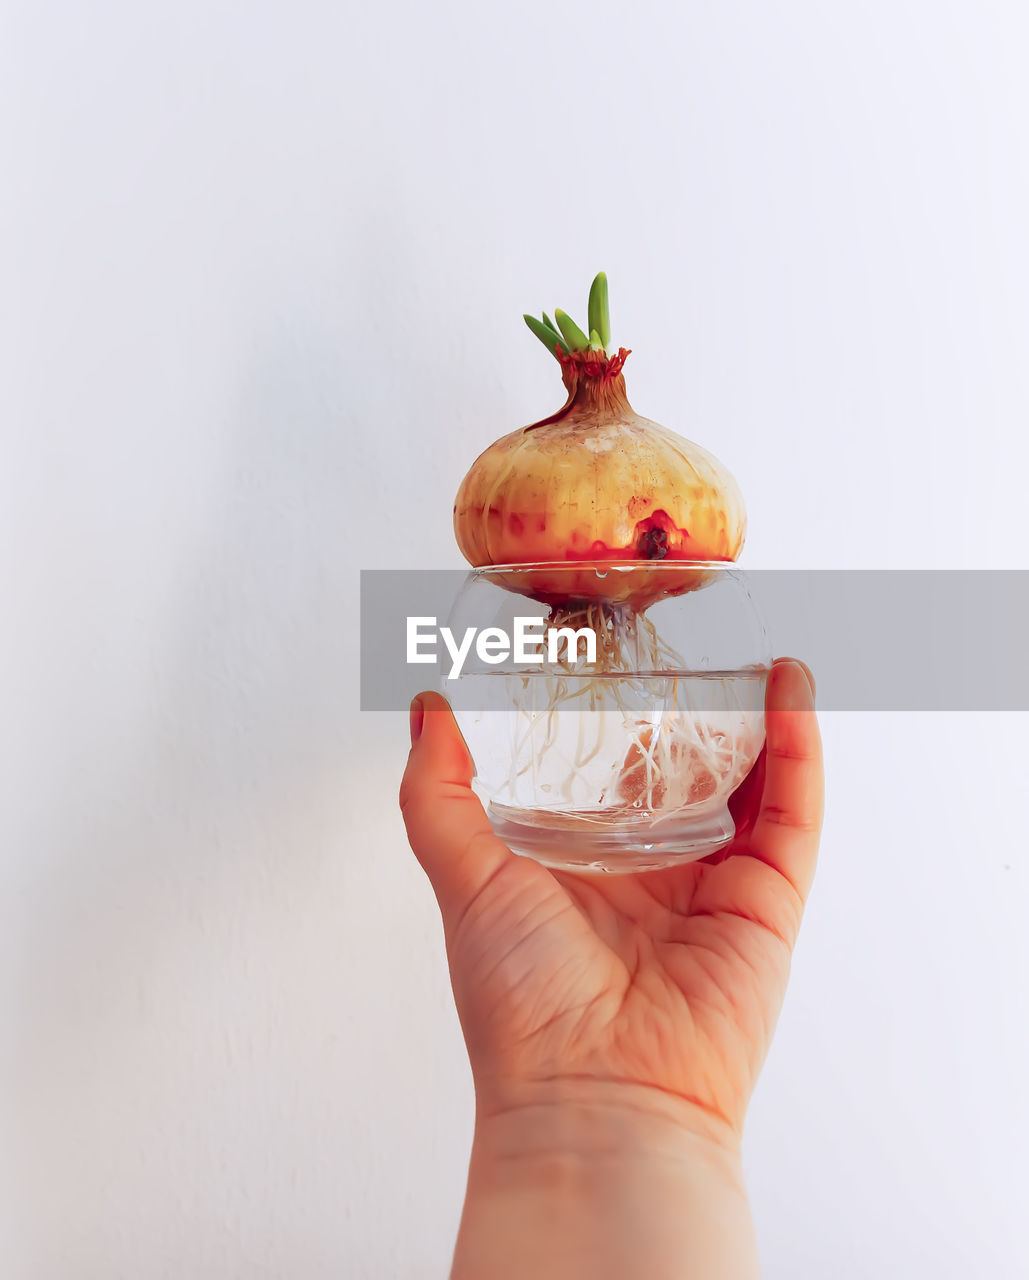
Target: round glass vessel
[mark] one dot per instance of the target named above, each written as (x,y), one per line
(620,757)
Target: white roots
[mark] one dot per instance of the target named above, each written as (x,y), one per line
(632,735)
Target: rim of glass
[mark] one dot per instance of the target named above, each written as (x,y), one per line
(606,566)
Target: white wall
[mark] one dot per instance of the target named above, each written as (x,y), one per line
(263,267)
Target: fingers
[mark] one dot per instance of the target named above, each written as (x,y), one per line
(745,801)
(765,875)
(446,825)
(789,821)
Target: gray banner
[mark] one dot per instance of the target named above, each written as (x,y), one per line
(876,640)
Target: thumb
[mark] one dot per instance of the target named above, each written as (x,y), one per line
(446,824)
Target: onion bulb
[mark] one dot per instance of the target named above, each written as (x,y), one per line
(596,482)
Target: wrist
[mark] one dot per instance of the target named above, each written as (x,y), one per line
(599,1180)
(601,1120)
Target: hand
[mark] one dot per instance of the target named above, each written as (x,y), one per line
(651,995)
(667,979)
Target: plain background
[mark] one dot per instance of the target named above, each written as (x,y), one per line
(263,268)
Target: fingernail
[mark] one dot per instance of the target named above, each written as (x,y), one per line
(807,672)
(417,717)
(802,695)
(796,662)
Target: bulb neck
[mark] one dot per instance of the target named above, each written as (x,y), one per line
(595,381)
(595,385)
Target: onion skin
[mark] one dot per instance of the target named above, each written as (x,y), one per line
(597,482)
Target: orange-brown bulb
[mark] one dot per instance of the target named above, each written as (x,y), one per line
(596,482)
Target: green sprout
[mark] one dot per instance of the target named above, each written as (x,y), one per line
(565,336)
(549,337)
(599,314)
(574,337)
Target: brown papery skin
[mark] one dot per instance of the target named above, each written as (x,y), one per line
(597,482)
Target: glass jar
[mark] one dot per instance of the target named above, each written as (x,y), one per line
(623,757)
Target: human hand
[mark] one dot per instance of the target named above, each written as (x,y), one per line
(667,979)
(624,1005)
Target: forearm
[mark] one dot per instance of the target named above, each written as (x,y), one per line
(599,1188)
